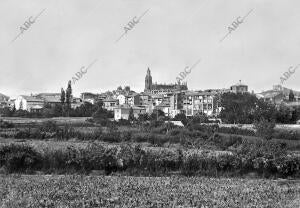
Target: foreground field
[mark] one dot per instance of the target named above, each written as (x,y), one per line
(100,191)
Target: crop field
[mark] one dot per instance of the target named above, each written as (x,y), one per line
(79,164)
(116,191)
(59,120)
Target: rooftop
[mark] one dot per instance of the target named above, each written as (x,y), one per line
(32,99)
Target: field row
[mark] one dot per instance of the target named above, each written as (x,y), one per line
(92,191)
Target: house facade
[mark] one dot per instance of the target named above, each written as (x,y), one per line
(239,88)
(29,103)
(110,104)
(122,112)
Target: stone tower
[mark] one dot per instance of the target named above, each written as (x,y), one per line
(148,81)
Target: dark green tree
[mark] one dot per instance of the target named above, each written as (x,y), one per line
(62,96)
(21,105)
(62,100)
(245,108)
(291,96)
(131,115)
(69,98)
(157,115)
(127,88)
(181,117)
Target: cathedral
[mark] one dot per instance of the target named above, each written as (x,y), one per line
(162,88)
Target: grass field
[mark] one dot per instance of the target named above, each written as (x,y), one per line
(40,120)
(114,191)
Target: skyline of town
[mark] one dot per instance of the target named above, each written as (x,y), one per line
(155,82)
(63,38)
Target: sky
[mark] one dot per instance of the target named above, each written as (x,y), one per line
(71,35)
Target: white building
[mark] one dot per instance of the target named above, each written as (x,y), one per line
(110,104)
(122,112)
(29,103)
(198,102)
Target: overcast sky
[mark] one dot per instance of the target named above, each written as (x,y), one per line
(174,34)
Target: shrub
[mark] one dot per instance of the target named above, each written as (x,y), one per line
(224,142)
(49,126)
(6,124)
(264,128)
(236,130)
(285,134)
(288,165)
(19,158)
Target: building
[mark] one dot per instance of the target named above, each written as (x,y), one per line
(29,103)
(162,88)
(279,95)
(89,97)
(3,100)
(76,102)
(271,96)
(192,103)
(49,98)
(199,103)
(131,100)
(164,107)
(145,98)
(110,104)
(122,112)
(239,88)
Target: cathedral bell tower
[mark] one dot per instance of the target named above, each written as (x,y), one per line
(148,81)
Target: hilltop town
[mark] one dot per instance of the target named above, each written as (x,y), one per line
(171,99)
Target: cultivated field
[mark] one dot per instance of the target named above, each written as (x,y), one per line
(114,191)
(110,165)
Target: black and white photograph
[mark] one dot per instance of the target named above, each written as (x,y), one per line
(150,104)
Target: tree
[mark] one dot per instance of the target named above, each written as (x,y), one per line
(156,114)
(102,115)
(284,114)
(21,105)
(143,117)
(69,97)
(245,108)
(127,88)
(291,96)
(62,100)
(62,96)
(181,117)
(131,115)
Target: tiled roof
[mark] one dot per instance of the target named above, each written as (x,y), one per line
(110,100)
(52,99)
(48,94)
(32,99)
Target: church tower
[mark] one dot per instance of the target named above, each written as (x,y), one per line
(148,81)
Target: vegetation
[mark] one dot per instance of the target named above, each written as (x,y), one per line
(99,191)
(247,108)
(239,157)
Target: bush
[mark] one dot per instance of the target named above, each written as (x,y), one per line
(19,158)
(264,128)
(6,124)
(285,134)
(49,126)
(224,142)
(236,130)
(288,166)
